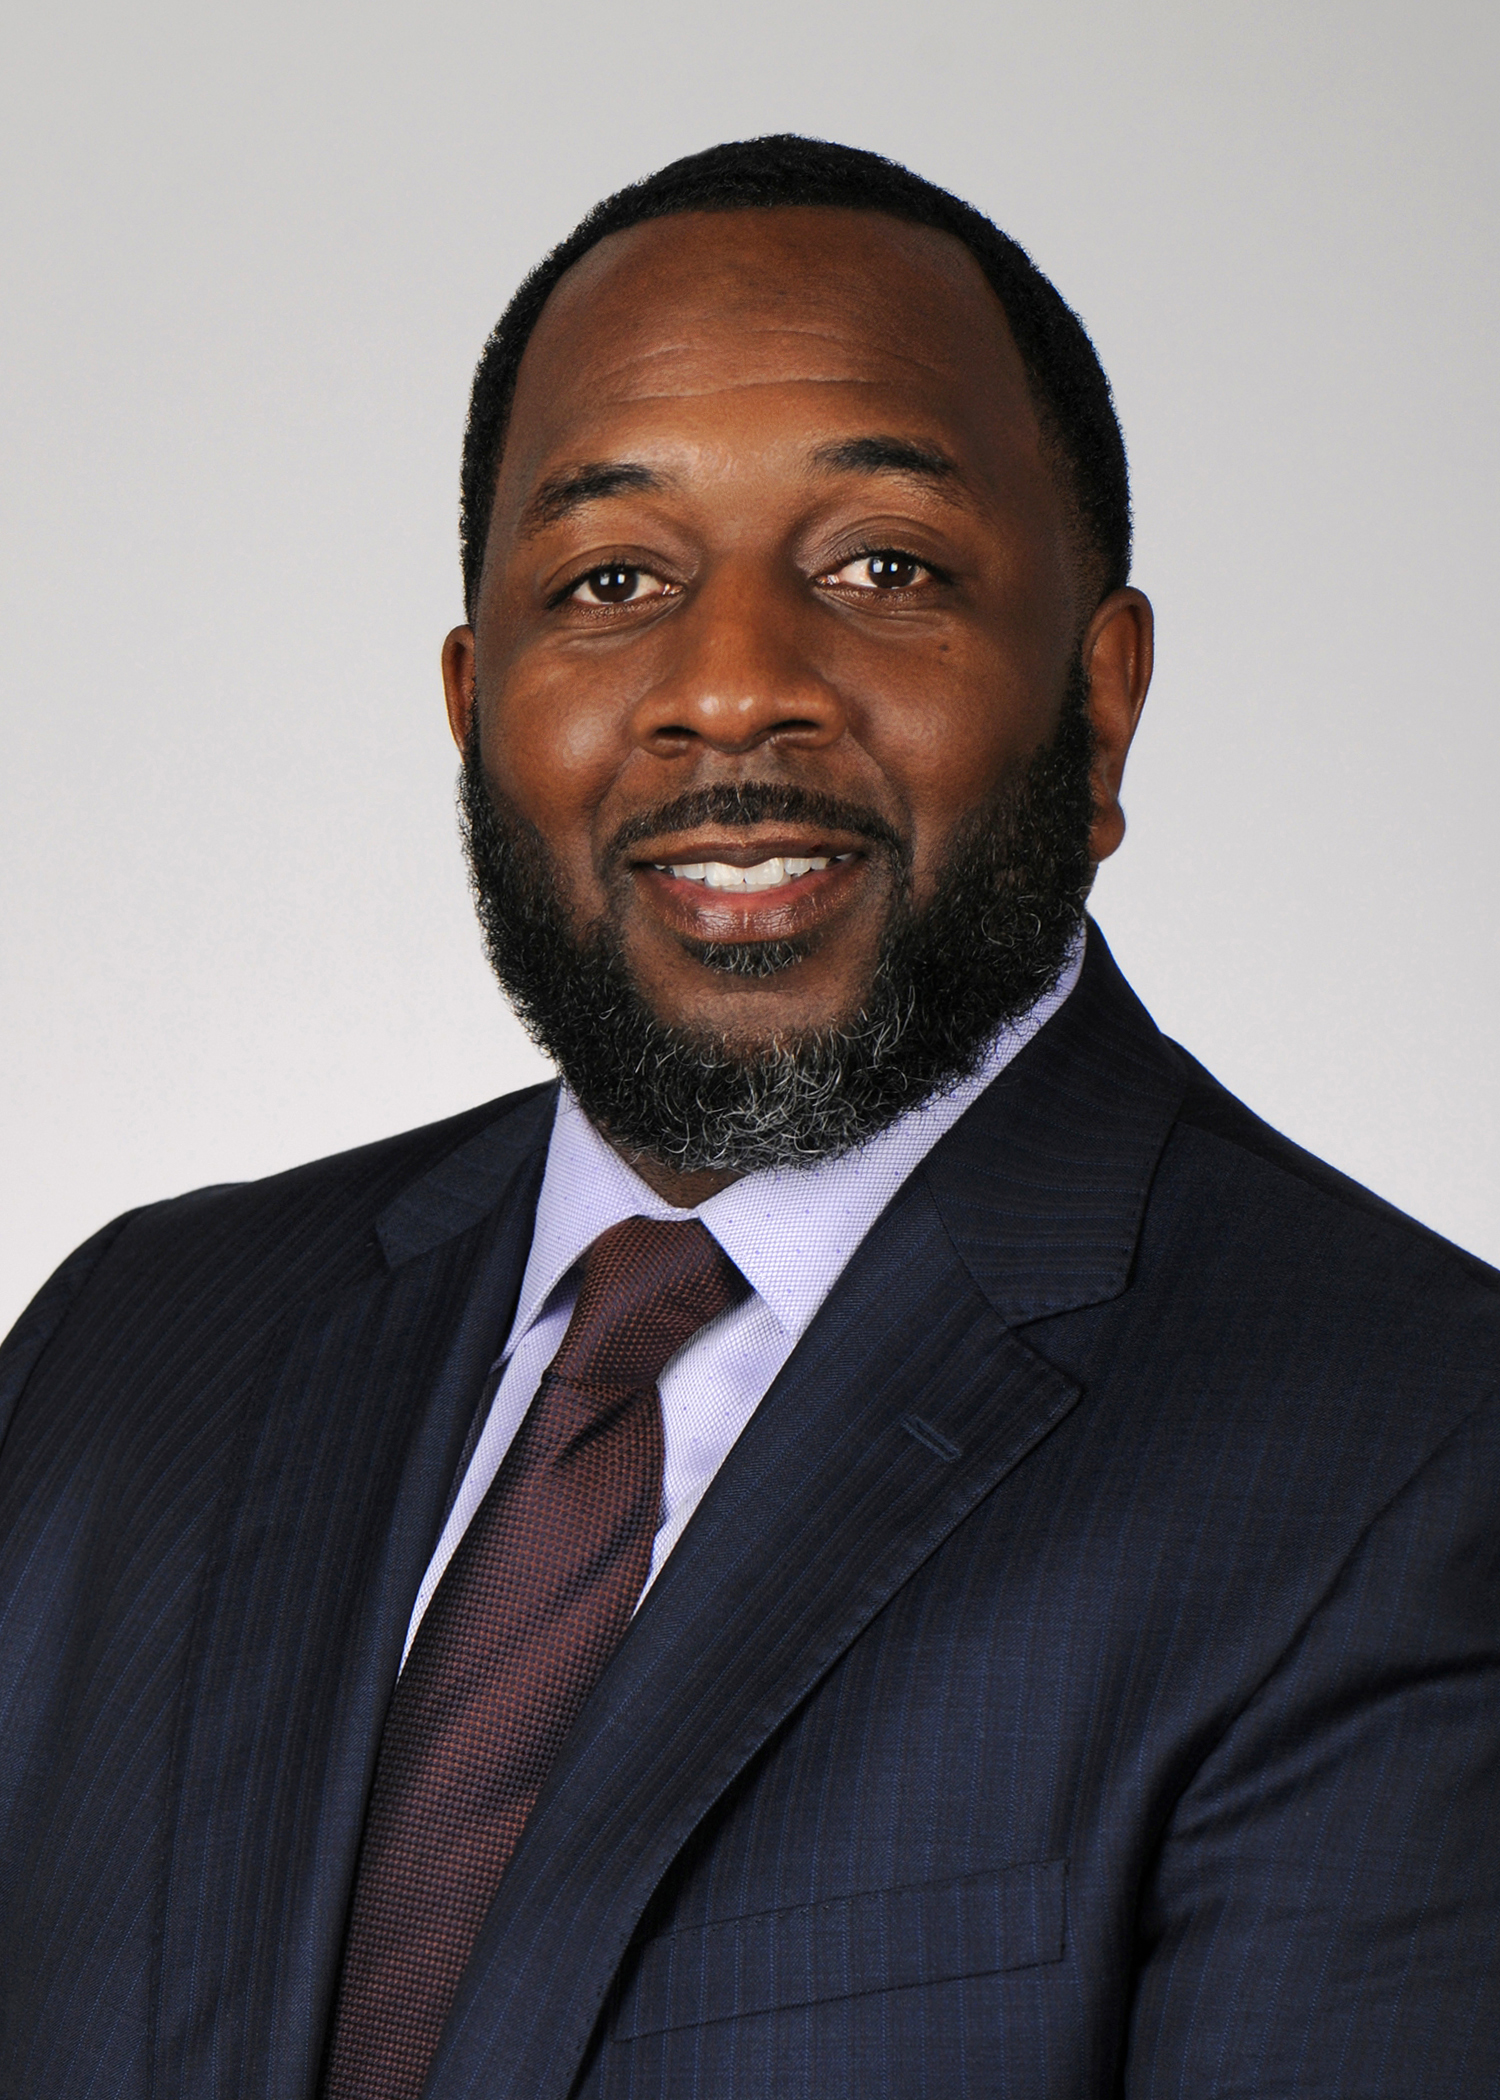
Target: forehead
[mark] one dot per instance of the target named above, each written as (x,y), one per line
(826,319)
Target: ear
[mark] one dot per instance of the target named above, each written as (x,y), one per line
(1117,659)
(458,682)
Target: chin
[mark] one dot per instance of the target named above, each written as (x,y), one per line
(750,1007)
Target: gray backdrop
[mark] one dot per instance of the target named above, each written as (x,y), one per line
(250,255)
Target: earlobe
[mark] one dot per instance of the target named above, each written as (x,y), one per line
(1117,653)
(458,682)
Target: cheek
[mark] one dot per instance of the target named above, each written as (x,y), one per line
(551,750)
(948,736)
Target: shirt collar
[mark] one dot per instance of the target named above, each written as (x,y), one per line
(788,1230)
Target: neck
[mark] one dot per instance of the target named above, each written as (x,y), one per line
(682,1191)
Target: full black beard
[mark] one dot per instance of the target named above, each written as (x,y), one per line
(994,937)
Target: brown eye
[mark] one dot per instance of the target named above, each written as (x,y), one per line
(612,586)
(886,570)
(616,583)
(892,572)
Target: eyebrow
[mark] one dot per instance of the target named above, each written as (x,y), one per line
(891,455)
(594,481)
(563,493)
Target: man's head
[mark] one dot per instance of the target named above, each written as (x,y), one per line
(793,535)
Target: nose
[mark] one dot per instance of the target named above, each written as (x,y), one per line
(737,672)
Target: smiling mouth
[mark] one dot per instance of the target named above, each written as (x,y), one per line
(759,863)
(719,891)
(773,873)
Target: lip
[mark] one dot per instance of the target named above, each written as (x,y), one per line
(792,910)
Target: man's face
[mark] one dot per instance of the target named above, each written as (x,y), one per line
(775,511)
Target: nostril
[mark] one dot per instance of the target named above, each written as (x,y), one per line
(735,717)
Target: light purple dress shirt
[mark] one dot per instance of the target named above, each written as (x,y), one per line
(789,1231)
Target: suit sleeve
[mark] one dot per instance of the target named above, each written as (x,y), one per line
(1324,1918)
(22,1348)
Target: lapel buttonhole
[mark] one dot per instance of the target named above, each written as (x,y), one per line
(932,1438)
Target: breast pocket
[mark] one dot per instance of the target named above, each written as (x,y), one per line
(880,1940)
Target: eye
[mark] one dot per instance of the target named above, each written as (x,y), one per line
(883,569)
(616,583)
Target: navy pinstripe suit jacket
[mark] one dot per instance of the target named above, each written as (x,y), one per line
(1080,1680)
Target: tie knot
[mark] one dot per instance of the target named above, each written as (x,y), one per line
(649,1284)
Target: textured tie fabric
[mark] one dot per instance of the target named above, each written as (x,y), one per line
(530,1608)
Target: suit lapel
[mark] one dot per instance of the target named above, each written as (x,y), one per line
(826,1505)
(908,1400)
(1042,1186)
(351,1429)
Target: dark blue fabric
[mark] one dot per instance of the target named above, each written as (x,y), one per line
(1080,1680)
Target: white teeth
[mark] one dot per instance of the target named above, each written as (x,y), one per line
(765,875)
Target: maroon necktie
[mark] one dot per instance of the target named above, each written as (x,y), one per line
(529,1610)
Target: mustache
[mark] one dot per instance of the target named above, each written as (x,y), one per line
(743,803)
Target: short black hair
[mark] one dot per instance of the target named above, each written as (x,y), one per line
(1069,391)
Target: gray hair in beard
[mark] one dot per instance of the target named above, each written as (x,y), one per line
(1007,908)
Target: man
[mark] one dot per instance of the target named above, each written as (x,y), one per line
(891,1538)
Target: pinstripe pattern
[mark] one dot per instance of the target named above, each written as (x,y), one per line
(176,1701)
(1081,1679)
